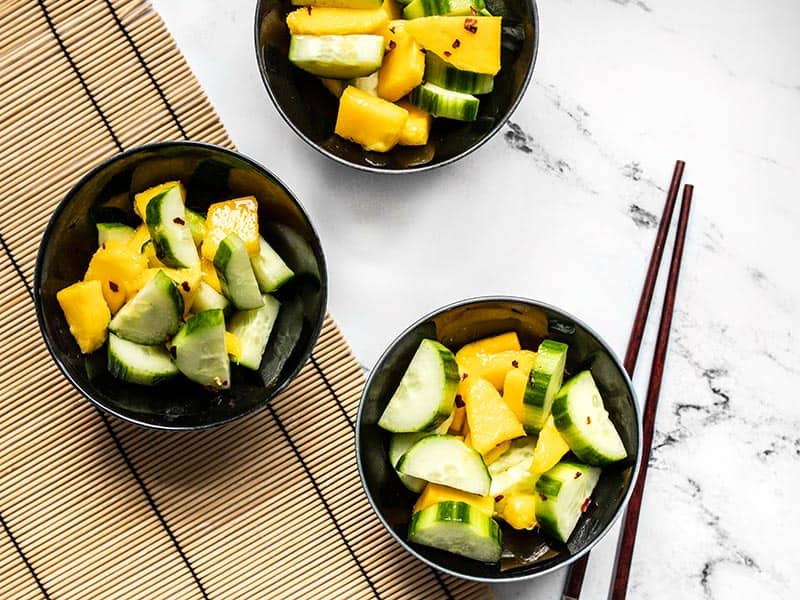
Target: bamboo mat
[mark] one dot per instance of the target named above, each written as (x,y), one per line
(91,507)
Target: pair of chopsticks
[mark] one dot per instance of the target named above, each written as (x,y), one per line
(572,590)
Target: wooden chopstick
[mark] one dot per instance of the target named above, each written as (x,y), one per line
(629,526)
(572,589)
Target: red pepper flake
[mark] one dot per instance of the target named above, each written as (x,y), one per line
(498,498)
(456,43)
(542,496)
(179,221)
(459,401)
(515,364)
(447,53)
(464,376)
(585,505)
(423,50)
(104,245)
(308,8)
(392,44)
(473,10)
(471,25)
(186,287)
(588,420)
(114,287)
(392,29)
(577,474)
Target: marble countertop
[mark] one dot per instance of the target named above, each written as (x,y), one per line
(562,206)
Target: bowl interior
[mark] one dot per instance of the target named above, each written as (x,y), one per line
(210,174)
(530,553)
(311,110)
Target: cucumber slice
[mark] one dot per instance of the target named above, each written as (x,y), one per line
(427,391)
(197,225)
(459,528)
(563,491)
(166,220)
(447,460)
(137,363)
(445,103)
(253,328)
(236,275)
(445,75)
(544,383)
(270,270)
(399,444)
(453,8)
(199,350)
(152,315)
(511,472)
(583,422)
(118,232)
(337,56)
(207,298)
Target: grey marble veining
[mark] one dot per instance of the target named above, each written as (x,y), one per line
(562,206)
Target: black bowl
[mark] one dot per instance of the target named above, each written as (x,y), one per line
(530,554)
(210,174)
(311,110)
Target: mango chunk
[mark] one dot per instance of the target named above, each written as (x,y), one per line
(141,199)
(418,126)
(140,235)
(550,448)
(403,64)
(116,266)
(467,43)
(435,493)
(335,21)
(496,452)
(494,367)
(491,345)
(393,9)
(233,345)
(491,422)
(518,510)
(209,274)
(514,390)
(459,415)
(86,312)
(239,216)
(369,121)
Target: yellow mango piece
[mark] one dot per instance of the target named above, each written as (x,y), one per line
(550,448)
(239,216)
(370,121)
(318,20)
(491,345)
(116,266)
(233,345)
(494,367)
(140,235)
(518,510)
(418,126)
(435,493)
(457,424)
(467,43)
(141,199)
(393,9)
(86,312)
(403,65)
(514,390)
(491,422)
(334,86)
(495,453)
(209,274)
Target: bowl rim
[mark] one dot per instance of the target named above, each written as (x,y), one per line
(414,169)
(46,235)
(537,304)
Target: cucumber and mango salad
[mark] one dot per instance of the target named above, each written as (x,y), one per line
(180,293)
(394,69)
(492,433)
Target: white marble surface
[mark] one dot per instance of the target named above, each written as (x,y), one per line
(560,206)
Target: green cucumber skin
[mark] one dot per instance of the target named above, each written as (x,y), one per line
(118,232)
(337,56)
(211,325)
(197,225)
(121,368)
(423,458)
(269,268)
(139,309)
(570,431)
(453,8)
(445,406)
(478,536)
(243,291)
(544,383)
(444,75)
(551,484)
(445,103)
(167,250)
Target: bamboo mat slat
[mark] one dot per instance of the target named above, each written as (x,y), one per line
(90,506)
